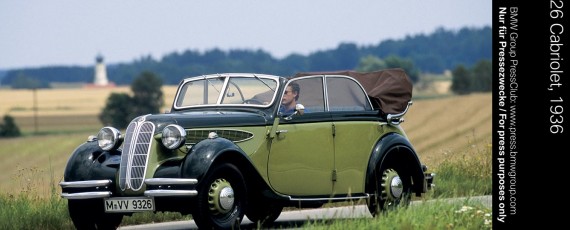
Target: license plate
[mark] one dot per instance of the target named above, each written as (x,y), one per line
(129,204)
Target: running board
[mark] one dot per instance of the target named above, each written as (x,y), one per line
(346,198)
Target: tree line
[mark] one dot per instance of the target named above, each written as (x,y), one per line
(433,53)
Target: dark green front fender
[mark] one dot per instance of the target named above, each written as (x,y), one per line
(206,152)
(90,162)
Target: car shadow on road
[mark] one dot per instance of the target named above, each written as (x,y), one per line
(288,224)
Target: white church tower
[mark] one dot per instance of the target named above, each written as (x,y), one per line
(100,72)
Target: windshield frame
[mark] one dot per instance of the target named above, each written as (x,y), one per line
(181,91)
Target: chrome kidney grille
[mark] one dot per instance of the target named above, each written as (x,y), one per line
(138,141)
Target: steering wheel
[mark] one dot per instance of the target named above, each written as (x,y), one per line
(252,101)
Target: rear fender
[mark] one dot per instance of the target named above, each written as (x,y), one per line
(395,145)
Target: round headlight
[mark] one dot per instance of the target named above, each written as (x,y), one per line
(173,136)
(108,138)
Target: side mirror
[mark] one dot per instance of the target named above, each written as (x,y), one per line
(300,109)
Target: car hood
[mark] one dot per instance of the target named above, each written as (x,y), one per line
(205,119)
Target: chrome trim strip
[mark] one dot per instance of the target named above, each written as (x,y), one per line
(155,193)
(85,195)
(325,92)
(367,196)
(85,184)
(170,181)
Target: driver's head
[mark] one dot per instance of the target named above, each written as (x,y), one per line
(291,94)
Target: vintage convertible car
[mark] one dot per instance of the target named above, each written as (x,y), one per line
(226,150)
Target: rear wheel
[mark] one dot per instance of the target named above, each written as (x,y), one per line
(90,214)
(391,188)
(221,200)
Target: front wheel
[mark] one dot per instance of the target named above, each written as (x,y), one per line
(221,200)
(90,214)
(264,212)
(391,188)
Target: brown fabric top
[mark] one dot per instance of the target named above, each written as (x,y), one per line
(390,90)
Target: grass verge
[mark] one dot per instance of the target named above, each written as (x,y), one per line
(437,214)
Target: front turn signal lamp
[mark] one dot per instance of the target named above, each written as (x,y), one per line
(173,136)
(109,138)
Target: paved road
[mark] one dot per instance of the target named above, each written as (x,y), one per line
(294,219)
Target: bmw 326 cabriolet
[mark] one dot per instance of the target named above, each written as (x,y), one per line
(227,149)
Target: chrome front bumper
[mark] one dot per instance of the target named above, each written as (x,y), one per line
(156,187)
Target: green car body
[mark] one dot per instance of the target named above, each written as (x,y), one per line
(225,151)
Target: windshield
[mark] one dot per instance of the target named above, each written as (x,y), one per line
(224,90)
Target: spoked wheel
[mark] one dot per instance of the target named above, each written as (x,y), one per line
(90,214)
(392,188)
(221,201)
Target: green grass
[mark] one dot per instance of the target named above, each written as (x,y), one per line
(437,214)
(29,210)
(26,211)
(464,174)
(32,212)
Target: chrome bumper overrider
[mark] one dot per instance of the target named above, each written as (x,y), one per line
(429,180)
(156,187)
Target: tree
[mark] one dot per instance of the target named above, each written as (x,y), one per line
(482,76)
(121,108)
(393,61)
(26,82)
(370,63)
(148,96)
(117,111)
(9,128)
(461,81)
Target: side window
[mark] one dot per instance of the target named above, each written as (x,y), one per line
(311,93)
(345,94)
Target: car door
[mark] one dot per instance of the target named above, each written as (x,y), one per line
(301,157)
(356,131)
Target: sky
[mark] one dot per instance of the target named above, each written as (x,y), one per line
(40,33)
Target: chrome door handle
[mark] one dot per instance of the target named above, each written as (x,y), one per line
(281,131)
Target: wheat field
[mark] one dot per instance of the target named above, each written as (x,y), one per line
(65,101)
(64,118)
(438,127)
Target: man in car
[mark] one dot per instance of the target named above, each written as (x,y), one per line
(289,100)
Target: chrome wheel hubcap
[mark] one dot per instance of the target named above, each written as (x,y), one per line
(392,185)
(220,197)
